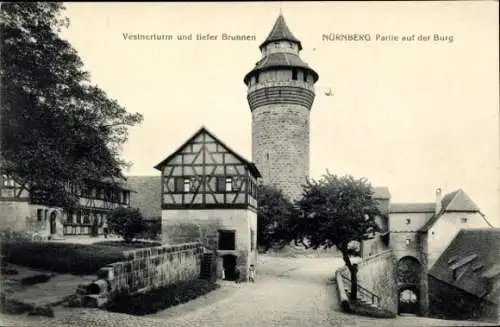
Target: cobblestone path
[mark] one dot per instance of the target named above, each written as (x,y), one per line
(288,292)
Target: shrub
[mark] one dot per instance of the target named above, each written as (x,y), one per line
(11,235)
(127,222)
(67,258)
(161,298)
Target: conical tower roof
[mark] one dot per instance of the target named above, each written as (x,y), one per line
(280,32)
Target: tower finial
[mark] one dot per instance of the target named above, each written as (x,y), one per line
(281,8)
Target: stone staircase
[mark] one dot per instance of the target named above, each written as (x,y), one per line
(362,300)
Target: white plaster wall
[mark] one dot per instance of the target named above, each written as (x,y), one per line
(447,227)
(13,215)
(397,221)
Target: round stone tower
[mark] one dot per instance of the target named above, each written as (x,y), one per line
(280,95)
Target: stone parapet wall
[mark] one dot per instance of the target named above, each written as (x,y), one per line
(378,275)
(153,267)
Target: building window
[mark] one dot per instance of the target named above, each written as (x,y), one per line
(256,78)
(227,240)
(86,217)
(408,242)
(8,181)
(294,74)
(305,76)
(229,184)
(69,216)
(39,214)
(8,193)
(252,244)
(267,156)
(187,185)
(464,220)
(79,217)
(408,221)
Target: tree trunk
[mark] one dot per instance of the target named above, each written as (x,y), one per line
(353,269)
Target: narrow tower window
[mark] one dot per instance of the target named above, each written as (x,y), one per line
(294,74)
(267,156)
(305,76)
(256,78)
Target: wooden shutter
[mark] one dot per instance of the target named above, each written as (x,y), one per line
(179,184)
(221,184)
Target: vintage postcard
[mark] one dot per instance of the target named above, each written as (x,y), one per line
(250,164)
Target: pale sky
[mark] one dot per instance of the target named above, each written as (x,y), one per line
(413,115)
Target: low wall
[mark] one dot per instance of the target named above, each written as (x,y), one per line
(153,267)
(377,274)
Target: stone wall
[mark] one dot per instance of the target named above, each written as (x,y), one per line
(13,215)
(153,267)
(377,274)
(280,146)
(463,306)
(22,216)
(203,225)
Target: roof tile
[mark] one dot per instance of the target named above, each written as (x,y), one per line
(483,243)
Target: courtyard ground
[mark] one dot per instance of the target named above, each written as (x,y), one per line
(288,292)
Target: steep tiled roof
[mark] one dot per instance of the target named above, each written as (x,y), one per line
(148,195)
(280,32)
(278,60)
(381,193)
(478,248)
(456,201)
(412,207)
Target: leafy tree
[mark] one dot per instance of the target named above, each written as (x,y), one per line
(273,212)
(57,128)
(336,211)
(127,222)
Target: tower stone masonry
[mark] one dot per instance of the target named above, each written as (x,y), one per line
(280,96)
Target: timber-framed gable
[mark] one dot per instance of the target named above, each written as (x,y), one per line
(204,173)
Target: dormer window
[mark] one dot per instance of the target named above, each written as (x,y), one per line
(452,260)
(294,74)
(464,220)
(477,267)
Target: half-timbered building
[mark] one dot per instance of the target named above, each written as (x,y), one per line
(209,192)
(27,210)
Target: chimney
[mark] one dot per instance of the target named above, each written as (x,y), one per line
(438,200)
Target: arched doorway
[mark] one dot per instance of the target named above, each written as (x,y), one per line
(229,266)
(53,216)
(408,301)
(409,279)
